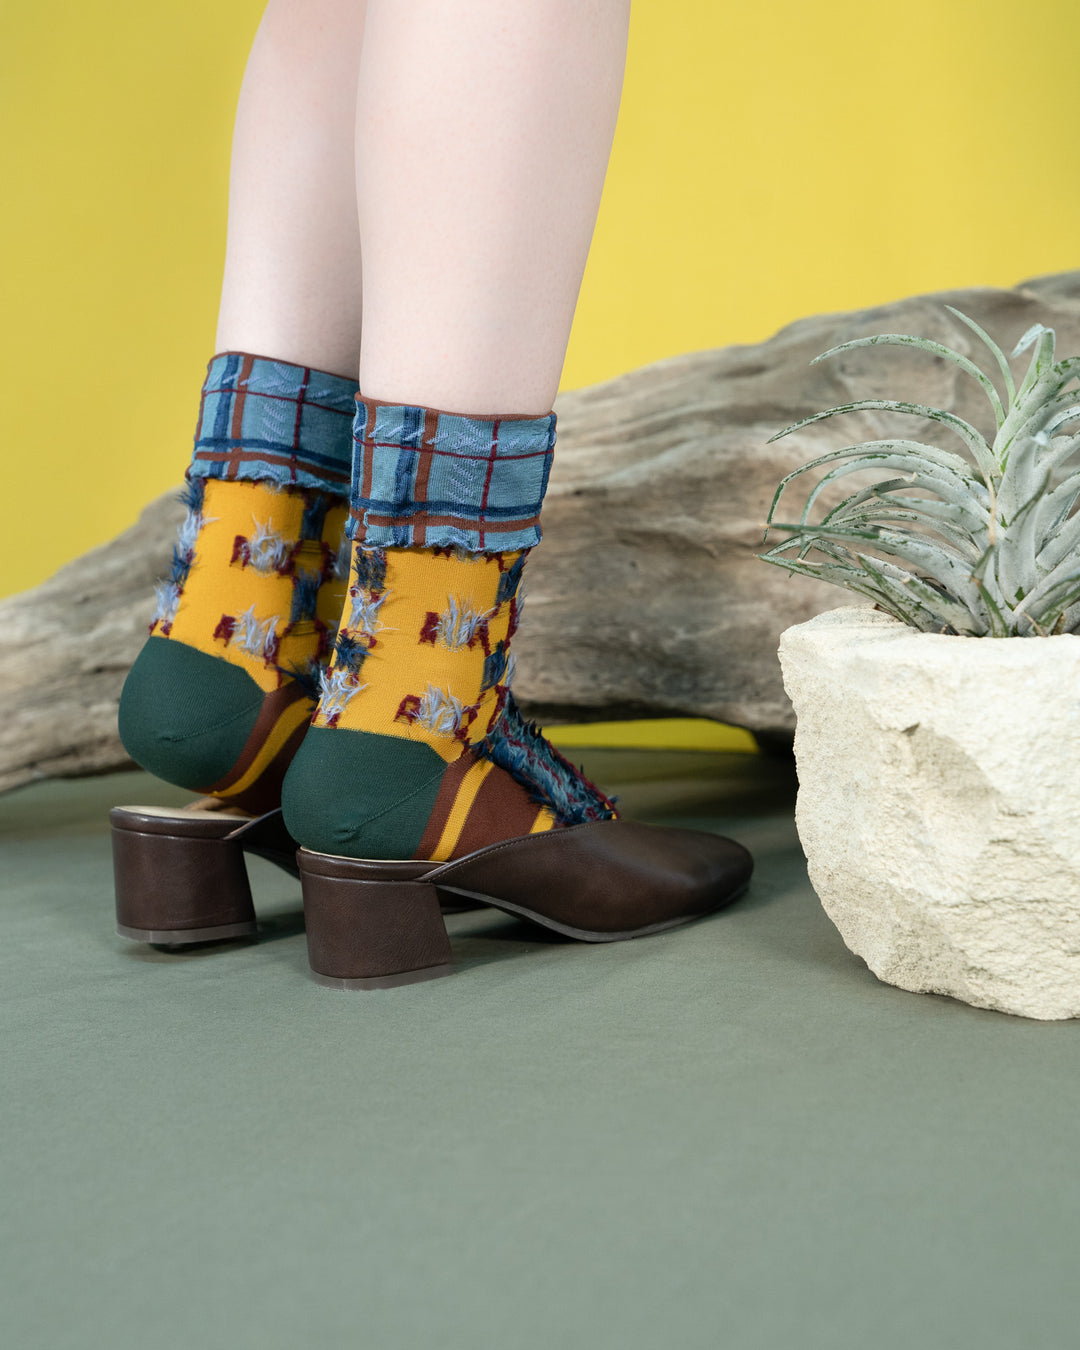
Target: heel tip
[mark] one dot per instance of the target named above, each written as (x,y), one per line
(383,981)
(186,937)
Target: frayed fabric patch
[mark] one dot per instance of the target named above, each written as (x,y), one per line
(169,591)
(305,595)
(192,493)
(498,666)
(518,746)
(457,627)
(364,606)
(308,676)
(349,652)
(510,579)
(255,637)
(264,549)
(337,687)
(437,711)
(369,565)
(167,596)
(313,521)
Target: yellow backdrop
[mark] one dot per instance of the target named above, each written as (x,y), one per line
(773,159)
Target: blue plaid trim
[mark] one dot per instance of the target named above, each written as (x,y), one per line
(273,421)
(428,479)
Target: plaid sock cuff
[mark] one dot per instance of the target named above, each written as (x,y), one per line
(271,421)
(429,479)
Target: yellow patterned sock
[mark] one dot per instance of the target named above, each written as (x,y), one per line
(416,749)
(221,694)
(398,760)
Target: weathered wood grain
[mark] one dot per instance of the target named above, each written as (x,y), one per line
(646,597)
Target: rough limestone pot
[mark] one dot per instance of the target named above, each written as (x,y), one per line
(939,804)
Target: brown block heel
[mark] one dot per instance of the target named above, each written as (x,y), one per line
(370,934)
(181,878)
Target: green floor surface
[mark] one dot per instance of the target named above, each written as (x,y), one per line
(729,1137)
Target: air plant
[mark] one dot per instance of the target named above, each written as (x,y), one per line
(980,544)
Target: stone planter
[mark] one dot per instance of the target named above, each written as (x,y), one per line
(939,804)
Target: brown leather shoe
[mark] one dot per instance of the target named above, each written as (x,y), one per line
(372,925)
(180,875)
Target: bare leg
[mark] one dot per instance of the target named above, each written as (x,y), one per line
(292,286)
(483,135)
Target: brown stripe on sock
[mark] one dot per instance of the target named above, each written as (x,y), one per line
(491,527)
(423,469)
(236,458)
(265,793)
(273,705)
(367,458)
(502,810)
(492,453)
(479,416)
(300,409)
(240,398)
(444,801)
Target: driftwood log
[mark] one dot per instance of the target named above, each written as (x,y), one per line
(646,598)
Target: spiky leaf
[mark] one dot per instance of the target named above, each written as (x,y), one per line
(993,547)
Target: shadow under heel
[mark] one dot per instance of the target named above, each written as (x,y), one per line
(371,934)
(181,878)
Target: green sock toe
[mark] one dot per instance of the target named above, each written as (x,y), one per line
(359,794)
(185,716)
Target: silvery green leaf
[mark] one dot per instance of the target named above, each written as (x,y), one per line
(990,551)
(828,571)
(1055,602)
(947,490)
(1041,421)
(981,452)
(1042,358)
(1025,341)
(1025,477)
(931,611)
(959,517)
(1069,620)
(868,507)
(1016,549)
(1052,524)
(904,595)
(937,560)
(935,349)
(953,483)
(1064,493)
(934,471)
(1047,587)
(918,452)
(1068,414)
(891,517)
(1062,544)
(1037,333)
(998,354)
(837,570)
(901,607)
(985,575)
(1039,386)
